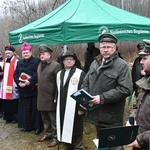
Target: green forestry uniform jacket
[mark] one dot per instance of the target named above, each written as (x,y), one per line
(142,113)
(113,83)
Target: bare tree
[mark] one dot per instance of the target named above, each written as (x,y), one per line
(21,12)
(17,13)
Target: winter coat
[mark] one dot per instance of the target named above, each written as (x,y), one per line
(113,83)
(89,56)
(47,86)
(136,73)
(29,67)
(143,112)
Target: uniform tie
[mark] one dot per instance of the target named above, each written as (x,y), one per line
(99,68)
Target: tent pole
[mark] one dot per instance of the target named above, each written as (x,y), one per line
(65,48)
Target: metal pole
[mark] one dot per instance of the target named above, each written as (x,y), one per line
(65,48)
(122,4)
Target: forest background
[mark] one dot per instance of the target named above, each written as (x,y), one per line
(17,13)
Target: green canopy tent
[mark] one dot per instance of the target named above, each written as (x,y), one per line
(81,21)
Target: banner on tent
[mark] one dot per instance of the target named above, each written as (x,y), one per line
(104,29)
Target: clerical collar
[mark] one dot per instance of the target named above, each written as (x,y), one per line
(67,69)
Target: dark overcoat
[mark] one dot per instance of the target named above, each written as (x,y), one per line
(136,73)
(47,86)
(29,117)
(113,84)
(30,67)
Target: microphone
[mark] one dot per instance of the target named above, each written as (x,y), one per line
(131,121)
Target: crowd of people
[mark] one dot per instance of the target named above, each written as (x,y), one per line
(36,92)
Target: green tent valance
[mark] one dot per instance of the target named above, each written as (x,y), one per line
(81,21)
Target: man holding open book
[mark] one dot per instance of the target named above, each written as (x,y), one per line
(109,82)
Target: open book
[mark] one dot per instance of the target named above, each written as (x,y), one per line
(24,76)
(82,97)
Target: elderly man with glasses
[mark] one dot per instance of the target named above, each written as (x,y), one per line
(109,82)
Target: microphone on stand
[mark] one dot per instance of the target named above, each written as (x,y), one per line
(131,121)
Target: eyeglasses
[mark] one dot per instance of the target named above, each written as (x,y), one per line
(69,59)
(140,49)
(106,47)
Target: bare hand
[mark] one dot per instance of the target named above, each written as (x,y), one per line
(26,82)
(95,100)
(134,144)
(80,112)
(21,84)
(83,107)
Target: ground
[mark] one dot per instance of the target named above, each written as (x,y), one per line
(12,138)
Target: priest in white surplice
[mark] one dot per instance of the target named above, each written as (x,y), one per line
(69,114)
(8,90)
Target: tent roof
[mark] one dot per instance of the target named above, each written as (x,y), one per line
(81,21)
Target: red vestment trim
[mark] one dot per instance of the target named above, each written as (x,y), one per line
(9,88)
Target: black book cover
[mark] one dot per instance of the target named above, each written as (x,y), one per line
(117,136)
(82,97)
